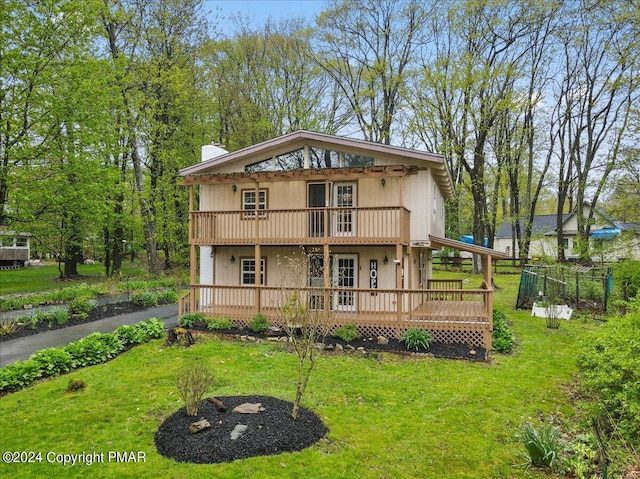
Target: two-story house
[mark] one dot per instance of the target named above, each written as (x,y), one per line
(366,217)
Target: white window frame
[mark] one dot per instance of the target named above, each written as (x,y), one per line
(249,204)
(344,218)
(248,266)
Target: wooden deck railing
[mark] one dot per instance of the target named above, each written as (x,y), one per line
(381,225)
(378,311)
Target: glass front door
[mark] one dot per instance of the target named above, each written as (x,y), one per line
(345,277)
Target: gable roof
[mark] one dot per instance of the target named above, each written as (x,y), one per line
(542,224)
(301,138)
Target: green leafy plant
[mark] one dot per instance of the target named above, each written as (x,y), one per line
(348,332)
(503,339)
(140,332)
(19,375)
(219,323)
(53,361)
(168,296)
(81,307)
(609,379)
(147,299)
(94,349)
(76,385)
(193,381)
(259,323)
(542,445)
(32,318)
(59,315)
(415,338)
(8,326)
(188,320)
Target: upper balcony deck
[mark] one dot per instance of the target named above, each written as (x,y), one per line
(354,225)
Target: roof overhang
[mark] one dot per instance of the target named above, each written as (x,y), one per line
(315,174)
(301,138)
(437,243)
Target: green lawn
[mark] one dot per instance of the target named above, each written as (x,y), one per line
(44,277)
(388,417)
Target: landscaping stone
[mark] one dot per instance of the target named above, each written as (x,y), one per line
(238,431)
(248,408)
(198,426)
(383,340)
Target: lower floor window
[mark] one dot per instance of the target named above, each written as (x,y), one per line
(248,271)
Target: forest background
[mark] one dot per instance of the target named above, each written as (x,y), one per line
(533,104)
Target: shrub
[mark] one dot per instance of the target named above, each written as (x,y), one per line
(219,323)
(76,385)
(627,275)
(503,339)
(147,299)
(347,333)
(193,382)
(188,320)
(609,367)
(81,307)
(259,323)
(542,445)
(53,361)
(415,338)
(8,326)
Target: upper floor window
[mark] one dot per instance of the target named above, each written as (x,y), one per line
(250,202)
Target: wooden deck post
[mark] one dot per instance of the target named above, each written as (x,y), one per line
(326,277)
(489,286)
(400,293)
(193,254)
(257,255)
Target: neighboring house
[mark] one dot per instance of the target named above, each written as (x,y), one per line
(368,216)
(610,240)
(15,248)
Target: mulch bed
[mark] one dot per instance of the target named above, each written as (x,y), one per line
(272,431)
(101,312)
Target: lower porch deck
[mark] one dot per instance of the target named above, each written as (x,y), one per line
(450,315)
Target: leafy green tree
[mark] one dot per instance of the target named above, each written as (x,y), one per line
(367,47)
(599,85)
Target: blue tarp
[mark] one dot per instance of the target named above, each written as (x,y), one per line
(469,240)
(605,233)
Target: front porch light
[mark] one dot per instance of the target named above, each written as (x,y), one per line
(385,260)
(233,259)
(234,188)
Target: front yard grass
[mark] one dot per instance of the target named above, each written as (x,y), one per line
(388,416)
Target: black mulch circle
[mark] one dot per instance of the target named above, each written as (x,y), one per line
(272,431)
